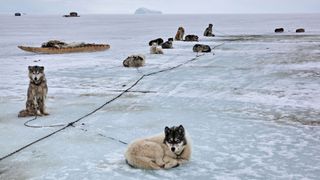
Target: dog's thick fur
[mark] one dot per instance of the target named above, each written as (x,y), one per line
(167,44)
(155,49)
(158,41)
(134,61)
(37,93)
(208,31)
(166,150)
(191,38)
(180,34)
(201,48)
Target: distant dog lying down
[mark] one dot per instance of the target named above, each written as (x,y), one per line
(37,93)
(300,30)
(201,48)
(166,150)
(167,44)
(279,30)
(158,41)
(155,49)
(134,61)
(191,38)
(180,34)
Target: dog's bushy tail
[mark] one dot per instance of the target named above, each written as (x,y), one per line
(23,113)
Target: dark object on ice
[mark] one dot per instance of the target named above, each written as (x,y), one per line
(167,44)
(54,44)
(17,14)
(201,48)
(158,41)
(134,61)
(191,38)
(72,14)
(300,30)
(279,30)
(208,31)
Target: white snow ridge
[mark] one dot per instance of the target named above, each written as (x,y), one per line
(251,106)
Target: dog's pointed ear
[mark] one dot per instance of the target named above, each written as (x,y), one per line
(41,68)
(181,129)
(166,130)
(30,68)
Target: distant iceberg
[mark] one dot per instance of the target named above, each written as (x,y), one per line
(146,11)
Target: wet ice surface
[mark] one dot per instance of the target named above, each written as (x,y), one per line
(251,109)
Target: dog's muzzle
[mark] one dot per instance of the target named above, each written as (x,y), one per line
(173,149)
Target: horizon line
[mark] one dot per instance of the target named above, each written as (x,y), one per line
(263,13)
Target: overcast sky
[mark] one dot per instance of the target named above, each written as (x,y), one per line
(166,6)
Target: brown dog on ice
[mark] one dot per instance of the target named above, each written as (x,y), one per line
(37,93)
(180,34)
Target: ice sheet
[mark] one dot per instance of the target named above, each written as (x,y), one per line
(248,107)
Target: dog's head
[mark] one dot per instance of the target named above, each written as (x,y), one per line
(175,139)
(181,29)
(210,25)
(170,39)
(36,74)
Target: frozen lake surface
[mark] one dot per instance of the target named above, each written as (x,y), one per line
(252,108)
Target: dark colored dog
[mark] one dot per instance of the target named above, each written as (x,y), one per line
(201,48)
(279,30)
(208,31)
(167,44)
(158,41)
(191,38)
(300,30)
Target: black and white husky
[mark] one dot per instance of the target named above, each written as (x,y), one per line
(167,44)
(166,150)
(201,48)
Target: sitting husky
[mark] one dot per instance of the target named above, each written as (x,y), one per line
(37,93)
(208,31)
(155,49)
(191,38)
(167,44)
(158,41)
(180,34)
(201,48)
(134,61)
(166,150)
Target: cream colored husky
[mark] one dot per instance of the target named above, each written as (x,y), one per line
(166,150)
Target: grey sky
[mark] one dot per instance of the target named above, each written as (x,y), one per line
(166,6)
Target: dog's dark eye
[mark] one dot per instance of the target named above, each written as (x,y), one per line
(178,140)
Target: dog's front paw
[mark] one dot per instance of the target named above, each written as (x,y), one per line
(171,165)
(182,161)
(45,114)
(160,163)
